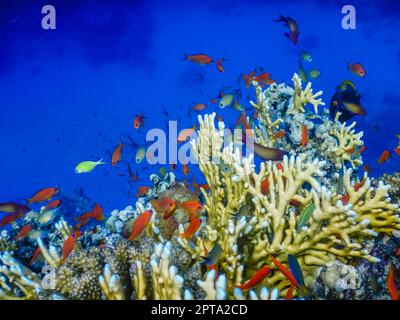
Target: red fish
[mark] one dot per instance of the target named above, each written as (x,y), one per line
(304,135)
(259,276)
(96,213)
(384,156)
(345,199)
(219,65)
(199,58)
(279,166)
(295,203)
(248,78)
(192,229)
(289,22)
(35,255)
(199,107)
(43,195)
(138,121)
(192,206)
(23,232)
(133,176)
(116,156)
(264,186)
(359,185)
(69,244)
(285,271)
(140,224)
(142,191)
(391,284)
(262,77)
(367,168)
(53,205)
(397,151)
(243,120)
(185,169)
(356,68)
(166,206)
(10,218)
(280,134)
(289,293)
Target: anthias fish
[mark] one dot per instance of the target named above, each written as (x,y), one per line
(194,225)
(258,277)
(140,224)
(116,155)
(88,166)
(199,58)
(43,195)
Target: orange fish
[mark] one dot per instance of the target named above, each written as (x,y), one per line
(140,224)
(397,151)
(262,77)
(304,135)
(259,276)
(391,284)
(264,186)
(199,107)
(185,169)
(96,213)
(43,195)
(289,293)
(384,156)
(69,244)
(10,218)
(280,134)
(359,185)
(248,78)
(204,186)
(356,68)
(116,156)
(199,58)
(279,166)
(138,121)
(243,120)
(185,134)
(166,206)
(53,205)
(350,150)
(23,232)
(192,205)
(133,176)
(285,271)
(367,168)
(345,199)
(219,118)
(219,65)
(214,101)
(142,191)
(35,255)
(192,229)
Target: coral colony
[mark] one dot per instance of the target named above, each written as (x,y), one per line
(302,224)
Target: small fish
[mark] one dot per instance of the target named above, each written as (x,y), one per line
(185,135)
(285,271)
(142,191)
(262,77)
(305,216)
(219,65)
(43,195)
(367,168)
(69,245)
(140,224)
(268,153)
(37,233)
(226,100)
(346,83)
(289,22)
(305,56)
(314,73)
(384,156)
(13,207)
(397,151)
(192,229)
(88,166)
(166,206)
(279,135)
(185,169)
(199,58)
(345,199)
(52,205)
(356,68)
(359,185)
(133,176)
(238,106)
(214,255)
(391,284)
(138,121)
(302,73)
(279,166)
(35,255)
(248,78)
(264,186)
(295,268)
(116,155)
(198,107)
(162,172)
(47,216)
(140,154)
(304,135)
(259,276)
(225,168)
(23,232)
(354,108)
(289,293)
(192,205)
(243,120)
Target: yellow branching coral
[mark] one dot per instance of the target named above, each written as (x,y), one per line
(347,141)
(302,97)
(111,285)
(250,226)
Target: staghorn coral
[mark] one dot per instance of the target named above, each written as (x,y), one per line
(335,231)
(302,97)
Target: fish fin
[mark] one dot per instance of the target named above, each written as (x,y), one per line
(280,19)
(101,161)
(185,56)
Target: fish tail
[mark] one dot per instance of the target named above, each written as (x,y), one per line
(185,57)
(101,161)
(280,19)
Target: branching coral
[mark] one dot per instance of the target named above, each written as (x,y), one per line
(302,97)
(334,231)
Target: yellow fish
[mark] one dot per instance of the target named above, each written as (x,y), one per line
(87,166)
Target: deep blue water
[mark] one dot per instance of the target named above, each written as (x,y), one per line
(70,94)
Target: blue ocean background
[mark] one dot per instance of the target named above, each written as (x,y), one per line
(71,94)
